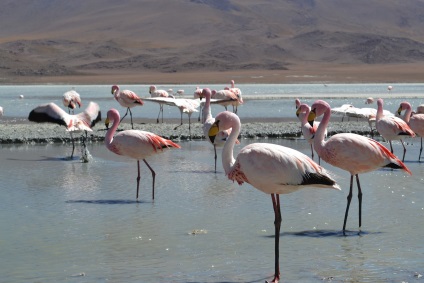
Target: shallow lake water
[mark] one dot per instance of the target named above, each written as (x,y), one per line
(66,221)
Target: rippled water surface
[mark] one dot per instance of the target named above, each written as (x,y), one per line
(66,221)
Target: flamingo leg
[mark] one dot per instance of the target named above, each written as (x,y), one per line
(160,108)
(181,121)
(312,152)
(359,199)
(73,145)
(132,125)
(349,198)
(391,147)
(421,149)
(404,150)
(138,178)
(214,148)
(153,177)
(124,115)
(277,224)
(189,125)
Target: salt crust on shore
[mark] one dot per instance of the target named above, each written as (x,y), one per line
(33,133)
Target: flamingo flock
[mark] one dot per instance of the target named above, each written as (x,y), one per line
(269,168)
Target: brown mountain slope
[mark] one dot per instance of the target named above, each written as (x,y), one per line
(41,40)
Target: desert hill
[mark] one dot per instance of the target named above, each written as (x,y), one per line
(46,39)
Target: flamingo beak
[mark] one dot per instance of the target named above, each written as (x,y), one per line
(399,110)
(213,131)
(107,122)
(311,117)
(298,111)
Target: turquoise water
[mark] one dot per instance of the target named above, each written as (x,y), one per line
(261,101)
(67,221)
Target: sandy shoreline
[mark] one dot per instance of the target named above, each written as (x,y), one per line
(33,133)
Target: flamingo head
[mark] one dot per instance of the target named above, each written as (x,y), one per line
(152,88)
(112,115)
(403,106)
(297,102)
(206,92)
(223,121)
(115,88)
(317,109)
(303,108)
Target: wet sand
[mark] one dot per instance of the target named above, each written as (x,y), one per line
(21,131)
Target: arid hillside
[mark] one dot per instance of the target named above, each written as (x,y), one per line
(194,40)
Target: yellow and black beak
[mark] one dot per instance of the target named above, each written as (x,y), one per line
(107,121)
(297,112)
(399,110)
(213,131)
(311,117)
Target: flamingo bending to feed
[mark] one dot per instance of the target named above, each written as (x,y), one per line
(154,92)
(351,152)
(270,168)
(308,131)
(127,99)
(415,121)
(51,113)
(391,127)
(70,100)
(135,144)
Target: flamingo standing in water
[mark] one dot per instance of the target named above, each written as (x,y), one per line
(127,99)
(270,168)
(51,113)
(415,122)
(70,100)
(135,144)
(237,92)
(154,92)
(351,152)
(391,127)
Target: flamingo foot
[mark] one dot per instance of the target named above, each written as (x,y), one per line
(275,280)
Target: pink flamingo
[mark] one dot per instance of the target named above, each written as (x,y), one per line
(308,131)
(71,99)
(51,113)
(226,97)
(135,144)
(198,94)
(127,99)
(415,121)
(208,121)
(237,92)
(270,168)
(391,127)
(351,152)
(154,92)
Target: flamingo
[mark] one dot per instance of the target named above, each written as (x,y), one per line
(127,99)
(188,106)
(198,94)
(51,113)
(70,100)
(154,92)
(135,144)
(391,127)
(415,121)
(341,110)
(225,95)
(208,121)
(351,152)
(369,100)
(237,92)
(1,111)
(270,168)
(308,131)
(420,109)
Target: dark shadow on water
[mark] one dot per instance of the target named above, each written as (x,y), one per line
(326,233)
(47,158)
(106,201)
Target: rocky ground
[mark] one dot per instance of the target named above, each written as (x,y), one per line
(32,133)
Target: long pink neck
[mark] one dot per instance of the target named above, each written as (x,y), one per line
(228,150)
(408,112)
(379,110)
(111,132)
(320,133)
(207,108)
(304,116)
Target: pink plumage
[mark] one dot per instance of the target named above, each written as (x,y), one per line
(135,144)
(351,152)
(127,99)
(414,120)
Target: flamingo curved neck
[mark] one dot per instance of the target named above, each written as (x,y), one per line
(408,112)
(320,133)
(228,150)
(207,109)
(111,132)
(379,111)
